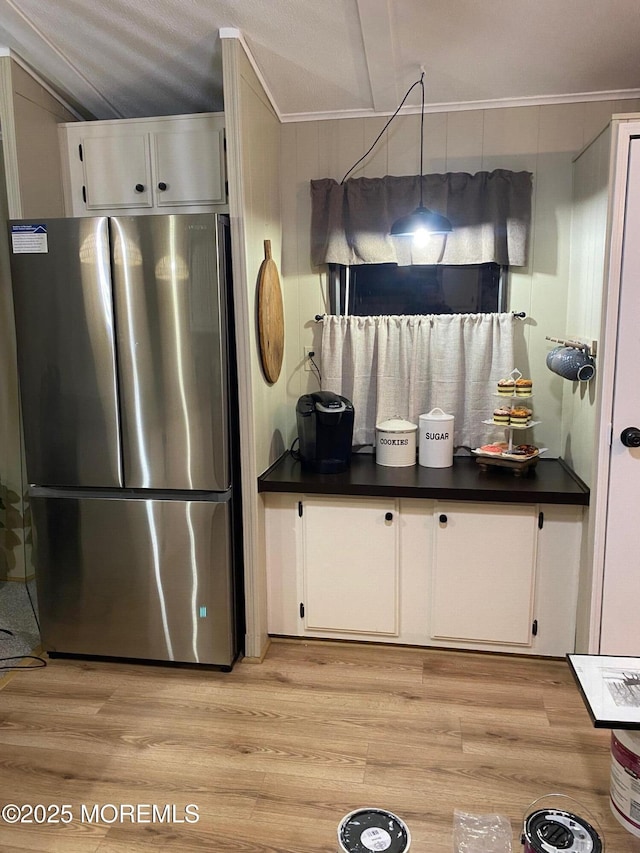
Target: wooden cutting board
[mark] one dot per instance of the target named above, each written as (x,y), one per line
(270,316)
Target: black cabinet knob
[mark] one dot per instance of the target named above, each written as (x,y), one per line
(443,519)
(162,186)
(630,437)
(139,188)
(388,516)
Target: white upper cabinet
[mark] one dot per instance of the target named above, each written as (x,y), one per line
(170,164)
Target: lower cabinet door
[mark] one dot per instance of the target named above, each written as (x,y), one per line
(350,565)
(484,572)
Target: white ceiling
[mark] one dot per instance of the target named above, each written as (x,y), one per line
(125,59)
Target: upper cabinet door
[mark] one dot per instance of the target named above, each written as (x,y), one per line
(188,166)
(117,171)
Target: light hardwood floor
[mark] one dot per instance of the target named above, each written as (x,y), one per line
(275,754)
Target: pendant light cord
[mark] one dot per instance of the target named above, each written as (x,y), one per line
(420,83)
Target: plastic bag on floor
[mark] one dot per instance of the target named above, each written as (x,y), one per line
(488,833)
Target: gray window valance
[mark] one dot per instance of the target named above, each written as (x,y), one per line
(490,213)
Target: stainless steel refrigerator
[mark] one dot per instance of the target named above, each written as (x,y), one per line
(126,386)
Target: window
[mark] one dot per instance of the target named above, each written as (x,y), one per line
(369,289)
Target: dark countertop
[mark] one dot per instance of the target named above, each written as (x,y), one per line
(551,481)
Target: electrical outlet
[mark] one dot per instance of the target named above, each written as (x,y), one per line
(308,351)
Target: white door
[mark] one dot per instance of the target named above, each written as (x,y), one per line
(188,166)
(117,171)
(620,622)
(351,565)
(484,572)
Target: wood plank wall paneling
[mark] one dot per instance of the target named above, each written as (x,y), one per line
(37,114)
(259,132)
(402,143)
(542,139)
(12,555)
(465,134)
(585,302)
(30,184)
(274,755)
(253,158)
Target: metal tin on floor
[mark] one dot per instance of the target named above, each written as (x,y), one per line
(551,830)
(625,772)
(372,830)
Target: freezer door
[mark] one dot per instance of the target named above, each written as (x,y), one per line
(60,270)
(146,579)
(171,342)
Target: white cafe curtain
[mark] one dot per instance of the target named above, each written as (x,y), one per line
(404,366)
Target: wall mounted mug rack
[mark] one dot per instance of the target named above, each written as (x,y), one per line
(573,360)
(591,349)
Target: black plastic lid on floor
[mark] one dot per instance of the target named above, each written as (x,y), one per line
(551,830)
(372,830)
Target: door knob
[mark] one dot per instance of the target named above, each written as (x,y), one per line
(630,437)
(162,186)
(139,188)
(443,519)
(388,516)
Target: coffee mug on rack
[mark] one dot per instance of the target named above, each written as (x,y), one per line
(552,354)
(571,363)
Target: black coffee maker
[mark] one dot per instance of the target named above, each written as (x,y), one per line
(325,430)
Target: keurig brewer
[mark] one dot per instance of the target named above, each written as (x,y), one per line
(325,430)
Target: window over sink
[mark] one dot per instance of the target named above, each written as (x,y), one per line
(373,289)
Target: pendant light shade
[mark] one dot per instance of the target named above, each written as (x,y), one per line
(421,220)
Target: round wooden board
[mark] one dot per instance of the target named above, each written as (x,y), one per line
(270,316)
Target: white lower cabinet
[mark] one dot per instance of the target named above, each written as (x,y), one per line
(483,573)
(350,572)
(492,576)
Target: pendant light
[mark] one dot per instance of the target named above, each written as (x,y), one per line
(422,220)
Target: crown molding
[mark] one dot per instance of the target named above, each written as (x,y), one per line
(498,103)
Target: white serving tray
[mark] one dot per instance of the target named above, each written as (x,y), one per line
(512,426)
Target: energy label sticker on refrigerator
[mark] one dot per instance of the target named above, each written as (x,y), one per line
(29,239)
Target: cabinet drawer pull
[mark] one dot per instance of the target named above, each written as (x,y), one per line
(388,516)
(443,519)
(162,186)
(139,188)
